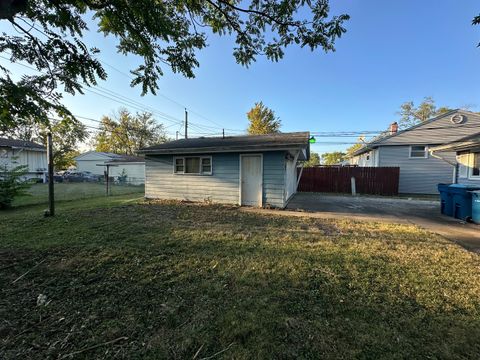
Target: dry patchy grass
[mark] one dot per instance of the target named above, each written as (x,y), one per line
(130,279)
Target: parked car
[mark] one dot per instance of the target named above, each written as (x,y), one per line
(57,177)
(80,176)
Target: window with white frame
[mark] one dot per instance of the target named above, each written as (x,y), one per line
(463,165)
(200,165)
(418,151)
(475,164)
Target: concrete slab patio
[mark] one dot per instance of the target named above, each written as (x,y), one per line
(423,213)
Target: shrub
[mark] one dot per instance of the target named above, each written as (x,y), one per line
(12,184)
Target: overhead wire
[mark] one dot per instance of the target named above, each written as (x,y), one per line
(123,100)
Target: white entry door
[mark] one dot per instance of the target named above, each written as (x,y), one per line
(251,180)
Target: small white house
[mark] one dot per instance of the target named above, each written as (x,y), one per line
(132,167)
(14,153)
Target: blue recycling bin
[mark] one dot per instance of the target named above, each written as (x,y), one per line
(476,206)
(446,199)
(462,200)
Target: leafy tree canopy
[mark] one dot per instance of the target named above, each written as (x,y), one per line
(333,158)
(262,120)
(125,133)
(49,35)
(352,149)
(314,160)
(411,115)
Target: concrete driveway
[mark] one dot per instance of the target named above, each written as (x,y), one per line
(425,214)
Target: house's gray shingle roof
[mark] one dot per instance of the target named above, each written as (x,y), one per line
(465,143)
(436,131)
(229,143)
(126,159)
(14,143)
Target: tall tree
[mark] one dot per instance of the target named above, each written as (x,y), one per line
(125,133)
(313,161)
(355,147)
(67,134)
(262,120)
(411,115)
(333,158)
(49,35)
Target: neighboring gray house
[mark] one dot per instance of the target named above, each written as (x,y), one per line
(467,165)
(255,170)
(420,171)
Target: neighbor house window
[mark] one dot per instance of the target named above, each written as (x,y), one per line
(418,151)
(476,164)
(206,165)
(463,166)
(179,165)
(201,165)
(192,165)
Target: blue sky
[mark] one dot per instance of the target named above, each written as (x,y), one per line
(393,51)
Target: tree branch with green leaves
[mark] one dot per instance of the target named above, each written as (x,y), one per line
(49,36)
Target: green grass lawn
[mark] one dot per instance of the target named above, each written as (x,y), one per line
(124,278)
(38,193)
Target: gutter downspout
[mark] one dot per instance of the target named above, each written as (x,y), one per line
(454,164)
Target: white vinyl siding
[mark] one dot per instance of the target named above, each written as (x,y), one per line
(368,159)
(36,160)
(469,168)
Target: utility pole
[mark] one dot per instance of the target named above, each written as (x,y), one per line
(223,133)
(176,135)
(51,197)
(186,124)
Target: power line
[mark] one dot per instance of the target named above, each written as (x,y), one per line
(170,99)
(123,100)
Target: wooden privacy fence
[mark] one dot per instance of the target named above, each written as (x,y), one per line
(336,179)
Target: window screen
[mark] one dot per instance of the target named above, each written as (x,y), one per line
(418,151)
(206,165)
(179,166)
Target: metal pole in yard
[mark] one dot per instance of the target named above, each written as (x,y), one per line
(354,187)
(107,175)
(51,197)
(186,123)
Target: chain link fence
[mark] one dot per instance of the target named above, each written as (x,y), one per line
(77,188)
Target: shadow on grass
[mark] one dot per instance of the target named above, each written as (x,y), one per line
(176,278)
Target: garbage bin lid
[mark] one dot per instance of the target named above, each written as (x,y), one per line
(466,187)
